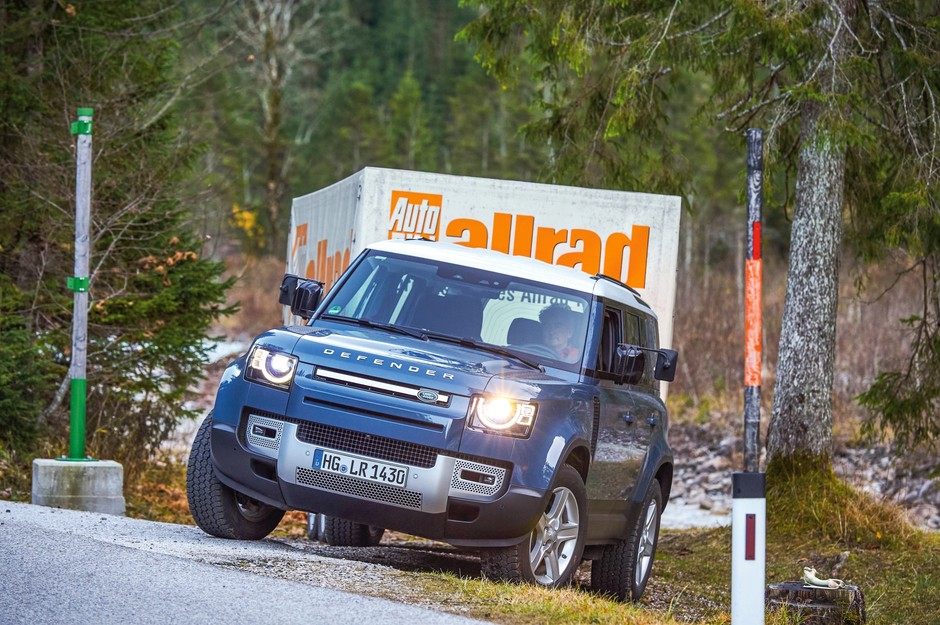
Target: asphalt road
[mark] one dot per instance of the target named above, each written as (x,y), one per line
(63,566)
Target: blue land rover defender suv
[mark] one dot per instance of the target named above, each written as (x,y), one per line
(492,402)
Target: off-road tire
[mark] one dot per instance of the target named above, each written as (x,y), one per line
(342,533)
(514,564)
(614,573)
(217,509)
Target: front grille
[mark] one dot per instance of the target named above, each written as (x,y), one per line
(366,444)
(359,488)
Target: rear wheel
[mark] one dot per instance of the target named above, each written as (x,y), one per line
(624,568)
(342,533)
(550,555)
(216,508)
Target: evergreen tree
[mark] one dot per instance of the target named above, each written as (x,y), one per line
(409,139)
(152,295)
(832,81)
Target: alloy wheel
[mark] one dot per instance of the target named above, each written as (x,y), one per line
(647,544)
(555,537)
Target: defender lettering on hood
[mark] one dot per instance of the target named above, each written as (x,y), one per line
(386,363)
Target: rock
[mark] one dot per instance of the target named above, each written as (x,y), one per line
(706,456)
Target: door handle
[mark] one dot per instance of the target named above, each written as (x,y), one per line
(628,419)
(651,421)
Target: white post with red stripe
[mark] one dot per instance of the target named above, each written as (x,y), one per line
(748,548)
(749,500)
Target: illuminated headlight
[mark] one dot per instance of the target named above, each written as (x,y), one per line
(270,367)
(502,415)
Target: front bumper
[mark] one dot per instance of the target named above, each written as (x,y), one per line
(462,500)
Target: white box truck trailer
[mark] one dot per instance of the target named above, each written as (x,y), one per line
(631,237)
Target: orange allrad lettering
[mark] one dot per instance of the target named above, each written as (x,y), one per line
(621,256)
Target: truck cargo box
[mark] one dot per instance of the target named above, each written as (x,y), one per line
(632,237)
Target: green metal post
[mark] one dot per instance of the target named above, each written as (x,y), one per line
(79,283)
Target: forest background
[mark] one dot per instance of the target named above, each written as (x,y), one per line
(210,117)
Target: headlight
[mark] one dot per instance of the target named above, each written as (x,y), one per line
(502,415)
(271,368)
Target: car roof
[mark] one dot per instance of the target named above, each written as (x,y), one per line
(498,262)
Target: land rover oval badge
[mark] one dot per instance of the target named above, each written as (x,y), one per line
(427,395)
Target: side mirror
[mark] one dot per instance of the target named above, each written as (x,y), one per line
(666,361)
(301,294)
(631,363)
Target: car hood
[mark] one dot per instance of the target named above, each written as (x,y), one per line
(431,363)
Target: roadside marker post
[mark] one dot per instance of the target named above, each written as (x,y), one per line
(749,500)
(79,283)
(77,482)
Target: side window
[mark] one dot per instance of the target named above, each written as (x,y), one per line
(636,332)
(652,333)
(632,334)
(611,335)
(651,339)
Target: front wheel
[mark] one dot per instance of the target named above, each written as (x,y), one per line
(624,568)
(216,508)
(550,555)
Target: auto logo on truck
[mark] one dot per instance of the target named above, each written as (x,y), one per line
(427,395)
(415,215)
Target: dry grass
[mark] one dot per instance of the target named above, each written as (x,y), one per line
(160,495)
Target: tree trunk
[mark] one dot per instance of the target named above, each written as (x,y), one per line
(801,422)
(802,408)
(273,144)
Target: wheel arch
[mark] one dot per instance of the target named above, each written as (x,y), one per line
(664,476)
(579,457)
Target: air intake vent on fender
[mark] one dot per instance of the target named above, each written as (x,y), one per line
(597,424)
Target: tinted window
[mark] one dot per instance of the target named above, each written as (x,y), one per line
(466,302)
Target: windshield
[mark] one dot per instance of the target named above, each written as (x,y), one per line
(539,321)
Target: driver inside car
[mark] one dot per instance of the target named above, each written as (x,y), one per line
(556,320)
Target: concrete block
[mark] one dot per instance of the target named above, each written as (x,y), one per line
(93,485)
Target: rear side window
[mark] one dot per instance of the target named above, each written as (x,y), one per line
(632,330)
(626,326)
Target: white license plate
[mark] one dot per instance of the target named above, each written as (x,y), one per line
(361,468)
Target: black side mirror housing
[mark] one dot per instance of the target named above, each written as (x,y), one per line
(631,362)
(666,362)
(301,294)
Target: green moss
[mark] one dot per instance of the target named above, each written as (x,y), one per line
(807,501)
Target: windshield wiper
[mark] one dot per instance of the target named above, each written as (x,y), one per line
(379,325)
(487,347)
